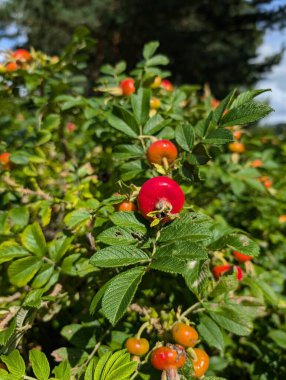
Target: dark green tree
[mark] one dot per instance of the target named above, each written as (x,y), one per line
(215,42)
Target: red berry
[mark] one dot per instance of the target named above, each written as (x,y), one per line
(162,194)
(267,184)
(71,127)
(128,87)
(5,160)
(167,85)
(162,149)
(239,272)
(165,358)
(22,55)
(185,335)
(256,163)
(136,346)
(241,257)
(220,270)
(237,135)
(236,147)
(202,362)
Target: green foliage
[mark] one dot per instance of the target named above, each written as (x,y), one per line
(81,277)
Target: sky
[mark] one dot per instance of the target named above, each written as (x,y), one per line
(276,79)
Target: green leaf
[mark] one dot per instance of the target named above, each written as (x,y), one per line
(224,285)
(124,152)
(241,243)
(169,264)
(79,335)
(120,293)
(19,216)
(119,236)
(75,356)
(116,256)
(34,240)
(184,250)
(211,333)
(33,298)
(219,136)
(245,113)
(157,60)
(279,337)
(22,271)
(154,125)
(52,121)
(6,334)
(233,320)
(20,158)
(63,371)
(15,364)
(40,364)
(150,49)
(128,219)
(140,104)
(247,96)
(90,370)
(185,136)
(196,275)
(10,250)
(218,112)
(117,366)
(74,218)
(43,276)
(59,247)
(100,366)
(192,227)
(127,117)
(121,126)
(97,299)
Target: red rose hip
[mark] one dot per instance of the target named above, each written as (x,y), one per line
(166,358)
(128,87)
(241,257)
(22,55)
(161,194)
(167,85)
(161,149)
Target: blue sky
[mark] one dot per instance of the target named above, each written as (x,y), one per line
(276,80)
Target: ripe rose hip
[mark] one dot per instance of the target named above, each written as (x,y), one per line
(185,335)
(136,346)
(128,87)
(161,149)
(236,147)
(201,363)
(22,55)
(12,66)
(71,127)
(241,257)
(237,135)
(167,85)
(5,160)
(220,270)
(162,194)
(166,358)
(282,219)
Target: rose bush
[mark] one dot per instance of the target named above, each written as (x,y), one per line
(83,272)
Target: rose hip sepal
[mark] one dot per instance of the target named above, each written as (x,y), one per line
(160,197)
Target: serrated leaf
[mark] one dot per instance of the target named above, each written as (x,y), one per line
(40,364)
(169,264)
(150,48)
(14,363)
(128,219)
(192,227)
(74,218)
(140,105)
(124,152)
(232,320)
(247,96)
(6,334)
(79,335)
(211,333)
(58,247)
(154,125)
(119,236)
(97,299)
(120,293)
(90,370)
(33,298)
(23,270)
(121,126)
(246,113)
(127,117)
(185,136)
(196,275)
(75,356)
(157,60)
(117,256)
(184,250)
(10,250)
(100,365)
(33,239)
(224,285)
(43,276)
(218,112)
(219,136)
(279,337)
(241,243)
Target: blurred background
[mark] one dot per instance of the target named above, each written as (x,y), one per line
(227,43)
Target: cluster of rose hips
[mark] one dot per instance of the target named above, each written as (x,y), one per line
(170,357)
(5,161)
(18,60)
(220,270)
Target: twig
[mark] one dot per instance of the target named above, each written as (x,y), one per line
(26,191)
